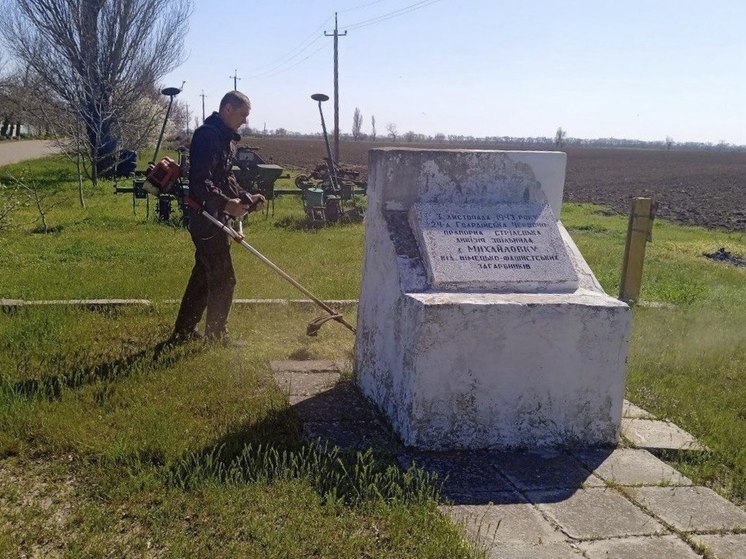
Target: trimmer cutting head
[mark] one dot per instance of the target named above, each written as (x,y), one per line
(315,325)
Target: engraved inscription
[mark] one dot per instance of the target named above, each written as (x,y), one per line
(492,247)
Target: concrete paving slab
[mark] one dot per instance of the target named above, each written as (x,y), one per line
(353,435)
(342,402)
(723,546)
(305,366)
(11,304)
(527,551)
(690,509)
(632,411)
(90,303)
(595,513)
(639,547)
(510,520)
(298,384)
(470,476)
(550,470)
(649,433)
(630,466)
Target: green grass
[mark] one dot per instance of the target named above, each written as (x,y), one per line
(108,448)
(195,451)
(687,361)
(106,251)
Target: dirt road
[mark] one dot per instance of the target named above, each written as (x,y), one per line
(16,151)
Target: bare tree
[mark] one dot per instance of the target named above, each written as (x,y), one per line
(357,124)
(391,129)
(373,127)
(559,137)
(96,60)
(669,143)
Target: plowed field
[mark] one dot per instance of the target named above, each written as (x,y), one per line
(696,188)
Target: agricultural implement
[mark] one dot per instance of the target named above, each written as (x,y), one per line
(257,176)
(168,170)
(325,191)
(252,172)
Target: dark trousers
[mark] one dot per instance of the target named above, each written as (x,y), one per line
(210,286)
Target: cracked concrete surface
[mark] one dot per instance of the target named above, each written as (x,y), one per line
(613,503)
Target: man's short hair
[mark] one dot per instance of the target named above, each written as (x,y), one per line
(234,98)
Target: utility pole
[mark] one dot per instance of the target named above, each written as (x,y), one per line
(235,79)
(336,36)
(186,109)
(203,105)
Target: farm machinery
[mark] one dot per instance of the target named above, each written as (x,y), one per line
(326,190)
(252,172)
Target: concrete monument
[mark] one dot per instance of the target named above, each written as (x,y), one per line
(480,325)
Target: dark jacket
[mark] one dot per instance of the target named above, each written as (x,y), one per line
(211,181)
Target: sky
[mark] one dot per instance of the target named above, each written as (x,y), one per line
(597,68)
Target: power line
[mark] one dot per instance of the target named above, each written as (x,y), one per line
(390,15)
(361,6)
(289,55)
(271,73)
(278,66)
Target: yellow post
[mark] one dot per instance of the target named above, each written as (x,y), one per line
(639,232)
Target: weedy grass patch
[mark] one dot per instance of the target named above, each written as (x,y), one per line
(190,450)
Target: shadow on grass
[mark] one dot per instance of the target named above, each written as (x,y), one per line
(158,357)
(273,449)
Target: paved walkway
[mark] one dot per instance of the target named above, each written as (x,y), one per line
(15,151)
(621,503)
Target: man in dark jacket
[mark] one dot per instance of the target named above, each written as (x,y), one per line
(212,184)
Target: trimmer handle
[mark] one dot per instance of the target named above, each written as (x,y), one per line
(192,203)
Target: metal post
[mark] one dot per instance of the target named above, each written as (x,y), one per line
(639,232)
(329,160)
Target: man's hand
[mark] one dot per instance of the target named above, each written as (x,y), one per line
(257,202)
(235,208)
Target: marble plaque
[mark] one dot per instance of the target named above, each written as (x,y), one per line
(496,247)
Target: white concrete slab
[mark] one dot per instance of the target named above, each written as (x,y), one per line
(631,411)
(691,509)
(653,547)
(595,513)
(631,466)
(650,433)
(723,546)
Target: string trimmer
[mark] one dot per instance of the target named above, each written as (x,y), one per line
(313,326)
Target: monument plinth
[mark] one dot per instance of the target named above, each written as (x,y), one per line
(480,325)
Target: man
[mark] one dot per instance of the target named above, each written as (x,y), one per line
(212,184)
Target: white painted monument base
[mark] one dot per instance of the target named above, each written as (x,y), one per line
(468,360)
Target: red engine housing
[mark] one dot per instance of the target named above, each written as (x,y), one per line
(162,177)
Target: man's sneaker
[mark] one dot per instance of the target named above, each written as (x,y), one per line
(226,341)
(185,337)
